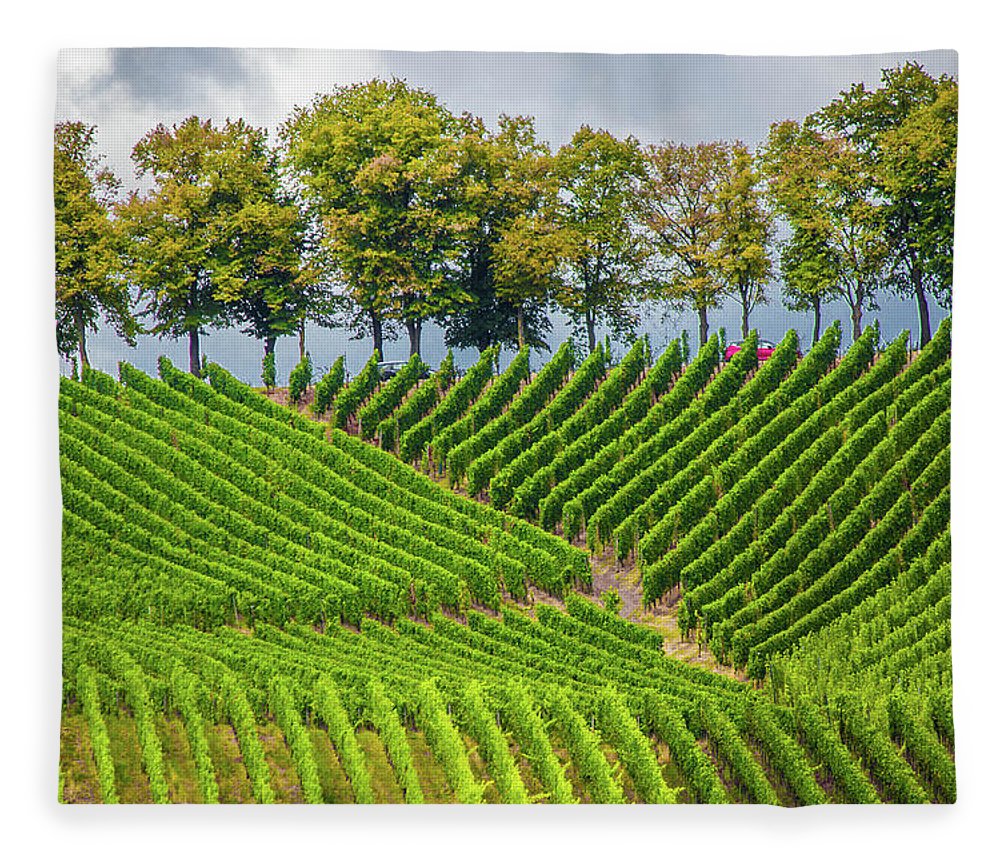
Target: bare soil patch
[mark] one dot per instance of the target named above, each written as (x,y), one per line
(608,572)
(280,396)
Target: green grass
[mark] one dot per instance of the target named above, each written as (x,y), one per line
(284,776)
(433,781)
(234,784)
(481,772)
(130,779)
(570,769)
(384,785)
(332,777)
(620,774)
(672,775)
(76,760)
(528,776)
(178,763)
(725,775)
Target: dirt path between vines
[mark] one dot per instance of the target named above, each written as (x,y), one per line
(608,572)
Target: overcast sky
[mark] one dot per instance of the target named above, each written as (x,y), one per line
(684,98)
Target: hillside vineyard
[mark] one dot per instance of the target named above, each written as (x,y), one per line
(397,594)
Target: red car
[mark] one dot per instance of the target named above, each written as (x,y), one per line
(764,349)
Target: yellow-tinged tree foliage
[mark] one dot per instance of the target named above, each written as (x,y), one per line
(379,168)
(822,185)
(703,207)
(214,240)
(906,132)
(89,281)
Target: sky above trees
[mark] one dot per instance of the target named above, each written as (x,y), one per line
(685,98)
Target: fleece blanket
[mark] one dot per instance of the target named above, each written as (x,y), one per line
(505,428)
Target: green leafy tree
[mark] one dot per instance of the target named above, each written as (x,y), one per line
(809,273)
(319,298)
(742,255)
(822,187)
(906,130)
(506,182)
(89,282)
(378,166)
(260,273)
(680,210)
(605,269)
(178,248)
(529,262)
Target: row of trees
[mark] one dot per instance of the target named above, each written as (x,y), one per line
(378,209)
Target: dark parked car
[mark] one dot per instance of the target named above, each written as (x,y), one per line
(388,369)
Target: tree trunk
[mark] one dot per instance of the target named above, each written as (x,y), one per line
(413,329)
(746,321)
(702,326)
(924,314)
(856,318)
(302,338)
(194,352)
(269,343)
(520,327)
(591,335)
(81,338)
(816,323)
(376,322)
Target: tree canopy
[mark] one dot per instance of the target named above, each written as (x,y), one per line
(822,186)
(262,278)
(606,254)
(906,131)
(703,208)
(379,209)
(378,164)
(507,186)
(205,237)
(89,282)
(742,255)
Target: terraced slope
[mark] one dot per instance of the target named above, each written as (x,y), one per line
(279,522)
(510,709)
(261,607)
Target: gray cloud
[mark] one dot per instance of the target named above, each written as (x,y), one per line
(173,78)
(686,98)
